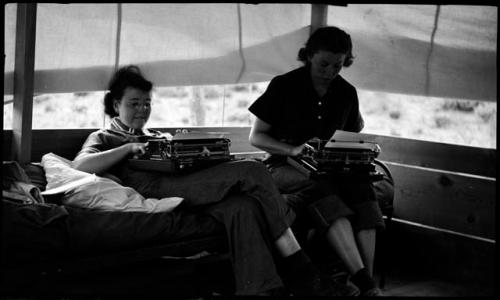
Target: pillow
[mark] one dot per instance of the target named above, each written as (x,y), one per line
(58,171)
(86,190)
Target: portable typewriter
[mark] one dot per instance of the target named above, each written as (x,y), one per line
(338,158)
(185,151)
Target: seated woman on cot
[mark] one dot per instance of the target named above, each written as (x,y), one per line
(256,224)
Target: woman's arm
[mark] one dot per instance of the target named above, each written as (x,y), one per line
(100,162)
(260,138)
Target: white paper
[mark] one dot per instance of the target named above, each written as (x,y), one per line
(347,136)
(197,135)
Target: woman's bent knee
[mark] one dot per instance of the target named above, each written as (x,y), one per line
(251,166)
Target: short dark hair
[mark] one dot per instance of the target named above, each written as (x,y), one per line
(330,39)
(129,76)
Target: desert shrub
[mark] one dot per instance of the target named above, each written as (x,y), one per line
(256,89)
(243,103)
(442,121)
(384,107)
(80,94)
(487,115)
(395,115)
(460,105)
(81,109)
(41,98)
(240,87)
(49,109)
(212,92)
(418,131)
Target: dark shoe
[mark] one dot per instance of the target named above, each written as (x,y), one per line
(276,292)
(324,286)
(341,289)
(373,292)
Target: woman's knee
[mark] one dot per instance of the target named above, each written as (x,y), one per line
(241,203)
(368,216)
(252,167)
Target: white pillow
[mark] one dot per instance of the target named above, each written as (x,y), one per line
(98,193)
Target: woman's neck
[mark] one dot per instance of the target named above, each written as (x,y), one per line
(320,87)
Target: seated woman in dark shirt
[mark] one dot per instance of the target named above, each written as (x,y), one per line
(256,225)
(312,102)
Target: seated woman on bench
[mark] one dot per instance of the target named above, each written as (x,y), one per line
(312,102)
(256,223)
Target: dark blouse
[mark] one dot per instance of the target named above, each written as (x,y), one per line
(296,113)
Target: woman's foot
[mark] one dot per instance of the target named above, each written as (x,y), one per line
(373,292)
(365,283)
(323,286)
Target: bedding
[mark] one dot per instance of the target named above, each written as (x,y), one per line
(98,193)
(34,232)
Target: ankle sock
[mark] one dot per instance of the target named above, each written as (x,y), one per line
(363,280)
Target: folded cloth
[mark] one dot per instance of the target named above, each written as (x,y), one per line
(17,186)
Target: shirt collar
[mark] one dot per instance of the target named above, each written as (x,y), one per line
(117,124)
(306,73)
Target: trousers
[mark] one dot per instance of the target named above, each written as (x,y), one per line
(252,223)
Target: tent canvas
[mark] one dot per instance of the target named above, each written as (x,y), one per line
(433,50)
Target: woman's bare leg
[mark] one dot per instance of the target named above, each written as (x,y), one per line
(341,237)
(366,242)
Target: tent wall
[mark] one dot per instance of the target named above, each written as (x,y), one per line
(433,50)
(76,46)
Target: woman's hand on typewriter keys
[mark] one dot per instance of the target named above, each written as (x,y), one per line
(137,149)
(297,150)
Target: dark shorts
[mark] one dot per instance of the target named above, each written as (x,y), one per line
(320,202)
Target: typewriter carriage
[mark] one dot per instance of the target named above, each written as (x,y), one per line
(171,155)
(343,158)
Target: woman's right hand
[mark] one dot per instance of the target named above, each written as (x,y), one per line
(297,150)
(137,149)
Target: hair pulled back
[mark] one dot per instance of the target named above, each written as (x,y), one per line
(129,76)
(330,39)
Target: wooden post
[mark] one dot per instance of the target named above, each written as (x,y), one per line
(24,70)
(319,16)
(197,110)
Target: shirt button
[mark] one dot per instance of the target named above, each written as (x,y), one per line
(319,117)
(319,103)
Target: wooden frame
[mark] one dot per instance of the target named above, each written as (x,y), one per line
(319,16)
(23,81)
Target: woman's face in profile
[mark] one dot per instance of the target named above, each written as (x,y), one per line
(134,107)
(326,65)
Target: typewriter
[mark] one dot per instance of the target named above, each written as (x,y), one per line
(184,152)
(338,158)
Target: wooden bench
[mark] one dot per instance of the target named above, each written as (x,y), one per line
(444,203)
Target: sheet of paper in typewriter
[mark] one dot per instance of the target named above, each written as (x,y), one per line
(347,136)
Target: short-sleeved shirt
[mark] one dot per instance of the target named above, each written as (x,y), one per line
(115,136)
(296,113)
